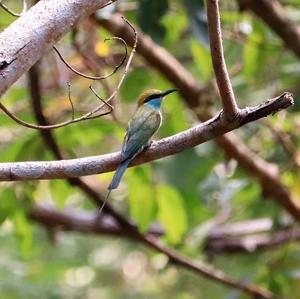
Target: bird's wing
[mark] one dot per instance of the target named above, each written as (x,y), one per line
(140,130)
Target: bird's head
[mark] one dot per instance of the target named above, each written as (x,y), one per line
(153,97)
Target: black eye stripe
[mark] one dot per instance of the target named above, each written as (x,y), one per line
(153,96)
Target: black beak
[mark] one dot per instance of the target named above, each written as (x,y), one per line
(163,94)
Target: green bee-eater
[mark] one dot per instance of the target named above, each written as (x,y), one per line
(144,123)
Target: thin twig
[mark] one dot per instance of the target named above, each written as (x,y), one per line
(70,100)
(93,65)
(89,115)
(11,12)
(208,271)
(52,145)
(105,103)
(36,31)
(96,78)
(251,243)
(230,108)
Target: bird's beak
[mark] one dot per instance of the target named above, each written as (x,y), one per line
(163,94)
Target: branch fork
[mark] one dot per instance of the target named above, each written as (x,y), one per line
(230,107)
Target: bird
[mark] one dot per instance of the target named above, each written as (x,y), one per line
(145,122)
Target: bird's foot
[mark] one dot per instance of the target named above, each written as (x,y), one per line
(148,144)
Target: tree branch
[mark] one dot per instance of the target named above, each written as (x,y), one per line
(88,223)
(25,40)
(36,100)
(195,98)
(82,221)
(251,243)
(129,229)
(15,14)
(165,147)
(224,239)
(73,220)
(230,108)
(274,15)
(104,103)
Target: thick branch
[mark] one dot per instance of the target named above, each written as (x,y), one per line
(224,239)
(76,221)
(82,221)
(88,223)
(162,148)
(25,40)
(274,15)
(230,109)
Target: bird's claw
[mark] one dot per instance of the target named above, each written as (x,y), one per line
(148,144)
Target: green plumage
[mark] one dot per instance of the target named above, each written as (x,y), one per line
(144,123)
(141,128)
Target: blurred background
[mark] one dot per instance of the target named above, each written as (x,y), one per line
(200,201)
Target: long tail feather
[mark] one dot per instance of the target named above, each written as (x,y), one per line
(118,174)
(115,181)
(104,202)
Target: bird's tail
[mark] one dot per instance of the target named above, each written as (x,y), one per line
(118,174)
(115,180)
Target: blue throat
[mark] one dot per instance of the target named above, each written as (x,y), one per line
(155,103)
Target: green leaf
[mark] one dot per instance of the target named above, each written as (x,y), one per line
(60,190)
(15,151)
(253,55)
(175,24)
(198,20)
(135,82)
(23,232)
(202,59)
(171,213)
(141,196)
(149,15)
(174,119)
(7,203)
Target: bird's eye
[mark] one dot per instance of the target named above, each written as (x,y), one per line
(149,98)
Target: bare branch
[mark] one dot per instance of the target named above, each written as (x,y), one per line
(52,145)
(15,14)
(165,147)
(196,97)
(90,60)
(221,240)
(208,271)
(251,243)
(25,40)
(274,15)
(70,100)
(96,78)
(82,221)
(91,114)
(128,229)
(230,109)
(88,223)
